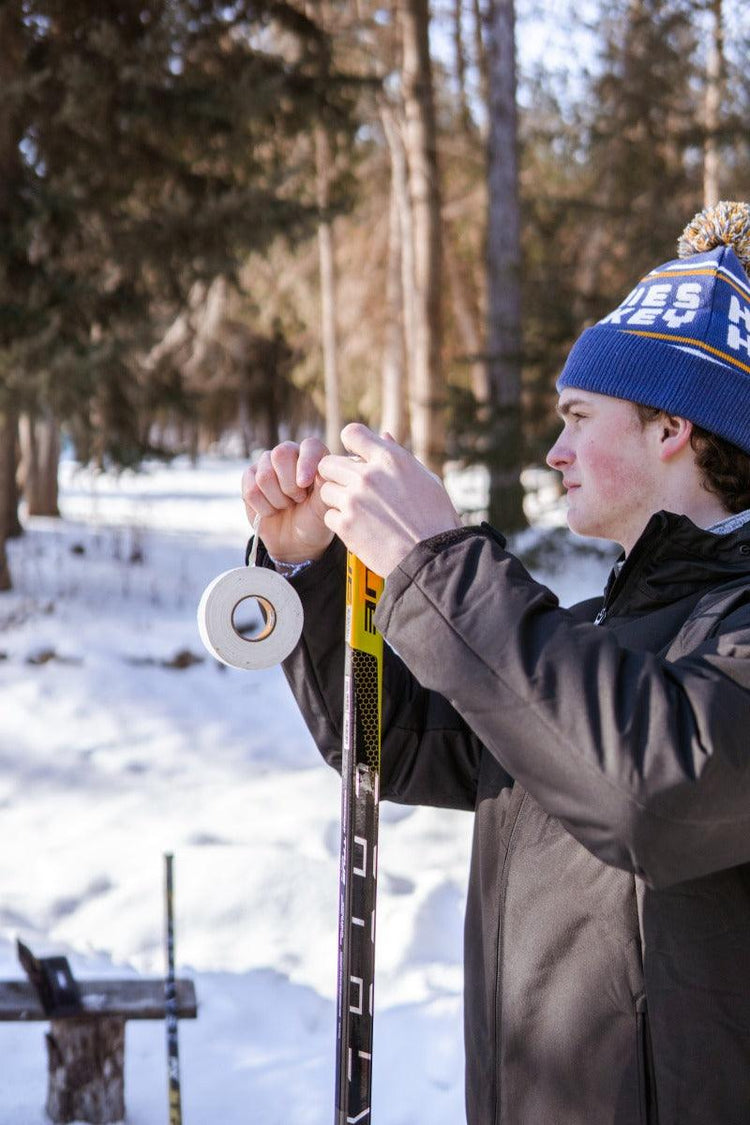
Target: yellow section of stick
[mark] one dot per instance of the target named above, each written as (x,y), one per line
(363,590)
(365,657)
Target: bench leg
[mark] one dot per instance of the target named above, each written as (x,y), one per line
(86,1059)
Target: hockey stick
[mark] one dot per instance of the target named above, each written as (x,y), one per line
(360,779)
(170,1002)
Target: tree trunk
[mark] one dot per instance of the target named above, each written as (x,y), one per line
(272,419)
(5,579)
(12,261)
(714,72)
(9,451)
(504,276)
(7,491)
(460,57)
(393,412)
(468,330)
(327,291)
(481,61)
(320,11)
(400,188)
(40,459)
(393,401)
(427,395)
(243,422)
(86,1070)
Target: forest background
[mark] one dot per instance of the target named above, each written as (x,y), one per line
(223,224)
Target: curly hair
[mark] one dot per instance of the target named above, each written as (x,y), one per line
(725,469)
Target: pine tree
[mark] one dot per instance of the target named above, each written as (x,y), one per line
(644,120)
(142,147)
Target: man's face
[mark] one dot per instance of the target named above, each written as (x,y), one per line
(609,461)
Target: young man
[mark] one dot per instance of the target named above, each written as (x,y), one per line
(604,749)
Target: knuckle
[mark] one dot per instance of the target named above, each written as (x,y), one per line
(367,478)
(284,453)
(252,493)
(346,520)
(313,445)
(265,473)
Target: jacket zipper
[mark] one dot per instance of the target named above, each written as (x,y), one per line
(648,1112)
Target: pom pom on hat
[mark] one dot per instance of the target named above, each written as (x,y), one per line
(726,224)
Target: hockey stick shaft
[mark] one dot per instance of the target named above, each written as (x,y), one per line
(170,1001)
(359,845)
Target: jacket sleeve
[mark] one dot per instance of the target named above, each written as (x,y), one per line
(645,762)
(429,755)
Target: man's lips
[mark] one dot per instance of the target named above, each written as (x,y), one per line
(569,484)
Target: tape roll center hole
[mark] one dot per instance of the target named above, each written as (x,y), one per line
(254,618)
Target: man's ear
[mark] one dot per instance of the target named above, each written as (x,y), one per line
(674,435)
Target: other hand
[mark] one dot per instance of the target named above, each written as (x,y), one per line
(283,488)
(382,501)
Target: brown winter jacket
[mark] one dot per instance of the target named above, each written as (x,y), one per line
(607,941)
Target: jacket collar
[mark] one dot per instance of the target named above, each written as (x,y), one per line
(673,559)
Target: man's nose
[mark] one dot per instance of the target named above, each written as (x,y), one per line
(559,455)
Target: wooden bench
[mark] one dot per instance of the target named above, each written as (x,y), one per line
(86,1051)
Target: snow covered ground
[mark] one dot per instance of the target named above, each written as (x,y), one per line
(115,746)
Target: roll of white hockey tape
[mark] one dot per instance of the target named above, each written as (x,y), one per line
(281,607)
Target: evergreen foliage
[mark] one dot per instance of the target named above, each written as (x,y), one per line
(150,148)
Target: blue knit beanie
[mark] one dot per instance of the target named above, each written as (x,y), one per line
(680,341)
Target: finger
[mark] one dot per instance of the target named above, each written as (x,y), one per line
(342,470)
(311,451)
(317,507)
(255,502)
(332,495)
(335,523)
(266,481)
(284,461)
(361,441)
(248,480)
